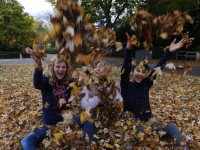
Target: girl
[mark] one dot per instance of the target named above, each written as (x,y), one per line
(97,98)
(135,91)
(54,86)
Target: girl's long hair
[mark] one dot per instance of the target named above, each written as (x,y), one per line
(49,72)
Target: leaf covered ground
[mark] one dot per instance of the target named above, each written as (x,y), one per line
(173,100)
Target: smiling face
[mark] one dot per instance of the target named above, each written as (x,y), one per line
(60,69)
(138,74)
(99,69)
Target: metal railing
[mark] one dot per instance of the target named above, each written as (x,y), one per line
(186,54)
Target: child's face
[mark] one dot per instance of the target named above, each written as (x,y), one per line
(138,74)
(60,69)
(99,69)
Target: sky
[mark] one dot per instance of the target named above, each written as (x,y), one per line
(35,7)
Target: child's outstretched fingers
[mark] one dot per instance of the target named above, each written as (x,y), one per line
(175,46)
(129,44)
(34,57)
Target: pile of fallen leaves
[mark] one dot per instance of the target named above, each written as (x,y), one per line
(174,99)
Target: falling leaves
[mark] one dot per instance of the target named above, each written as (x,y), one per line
(197,56)
(170,66)
(156,73)
(71,30)
(165,26)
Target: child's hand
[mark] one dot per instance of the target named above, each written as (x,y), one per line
(129,44)
(175,46)
(36,58)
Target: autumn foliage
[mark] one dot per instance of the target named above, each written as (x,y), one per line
(173,100)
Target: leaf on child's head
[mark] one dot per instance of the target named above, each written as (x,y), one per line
(140,65)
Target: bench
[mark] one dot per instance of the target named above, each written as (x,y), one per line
(190,55)
(180,54)
(3,55)
(185,54)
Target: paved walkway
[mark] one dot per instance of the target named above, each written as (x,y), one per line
(113,62)
(195,70)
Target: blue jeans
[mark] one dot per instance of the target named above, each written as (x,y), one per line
(171,130)
(87,126)
(33,139)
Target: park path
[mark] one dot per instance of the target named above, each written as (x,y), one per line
(113,62)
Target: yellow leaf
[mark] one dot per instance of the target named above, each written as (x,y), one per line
(75,90)
(58,135)
(17,94)
(197,136)
(140,65)
(85,115)
(128,122)
(33,113)
(56,141)
(87,138)
(108,145)
(180,89)
(182,143)
(118,123)
(141,136)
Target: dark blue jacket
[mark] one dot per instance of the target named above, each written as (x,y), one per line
(136,95)
(50,100)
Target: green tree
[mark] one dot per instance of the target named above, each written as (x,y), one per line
(159,7)
(16,27)
(111,11)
